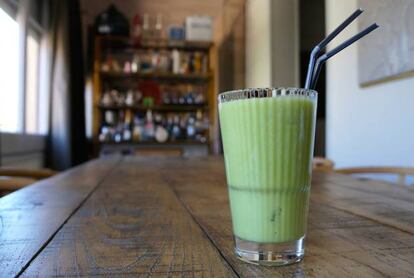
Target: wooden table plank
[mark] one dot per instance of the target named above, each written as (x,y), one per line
(383,202)
(170,217)
(339,243)
(132,225)
(29,217)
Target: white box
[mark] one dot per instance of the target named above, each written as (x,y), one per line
(199,28)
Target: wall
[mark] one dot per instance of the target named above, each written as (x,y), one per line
(365,126)
(272,43)
(258,44)
(285,43)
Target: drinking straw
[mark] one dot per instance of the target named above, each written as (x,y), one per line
(316,50)
(322,59)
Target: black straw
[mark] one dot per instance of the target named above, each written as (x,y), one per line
(316,50)
(322,59)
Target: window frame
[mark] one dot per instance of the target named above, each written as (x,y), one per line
(37,37)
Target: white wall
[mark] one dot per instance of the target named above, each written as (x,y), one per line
(365,126)
(258,43)
(285,43)
(272,43)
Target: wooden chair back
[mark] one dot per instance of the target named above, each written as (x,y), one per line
(401,172)
(322,164)
(12,179)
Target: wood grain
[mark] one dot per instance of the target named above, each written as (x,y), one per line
(29,217)
(132,225)
(170,217)
(339,243)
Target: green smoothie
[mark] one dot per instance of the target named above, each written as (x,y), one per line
(268,147)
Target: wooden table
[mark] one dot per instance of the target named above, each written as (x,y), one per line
(170,218)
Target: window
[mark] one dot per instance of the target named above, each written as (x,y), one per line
(23,106)
(10,100)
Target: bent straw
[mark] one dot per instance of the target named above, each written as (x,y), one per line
(317,49)
(322,59)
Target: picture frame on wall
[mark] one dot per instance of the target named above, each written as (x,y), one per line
(387,55)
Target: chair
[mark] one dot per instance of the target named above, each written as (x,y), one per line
(402,172)
(322,164)
(12,179)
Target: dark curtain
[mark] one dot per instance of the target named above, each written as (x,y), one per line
(66,141)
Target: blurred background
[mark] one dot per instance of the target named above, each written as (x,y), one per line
(81,79)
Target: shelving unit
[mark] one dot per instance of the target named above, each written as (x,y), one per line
(163,108)
(101,78)
(158,75)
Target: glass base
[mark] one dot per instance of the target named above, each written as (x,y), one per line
(270,254)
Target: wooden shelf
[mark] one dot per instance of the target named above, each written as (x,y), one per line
(155,143)
(161,108)
(127,46)
(123,42)
(157,75)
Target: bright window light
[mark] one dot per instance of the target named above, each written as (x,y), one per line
(32,85)
(10,110)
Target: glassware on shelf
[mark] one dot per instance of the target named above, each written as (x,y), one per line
(158,28)
(149,128)
(127,67)
(176,61)
(146,28)
(135,64)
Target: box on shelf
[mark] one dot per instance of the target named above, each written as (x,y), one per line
(199,28)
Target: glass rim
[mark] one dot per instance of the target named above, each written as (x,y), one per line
(271,92)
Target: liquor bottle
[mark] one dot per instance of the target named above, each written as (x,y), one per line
(191,131)
(104,135)
(189,97)
(146,29)
(199,99)
(155,61)
(176,61)
(116,67)
(176,130)
(158,31)
(149,128)
(127,67)
(136,27)
(181,100)
(161,133)
(191,63)
(129,100)
(197,62)
(138,96)
(169,125)
(164,65)
(184,67)
(126,133)
(135,64)
(137,132)
(106,99)
(199,127)
(174,97)
(166,98)
(183,125)
(118,132)
(204,64)
(111,134)
(110,117)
